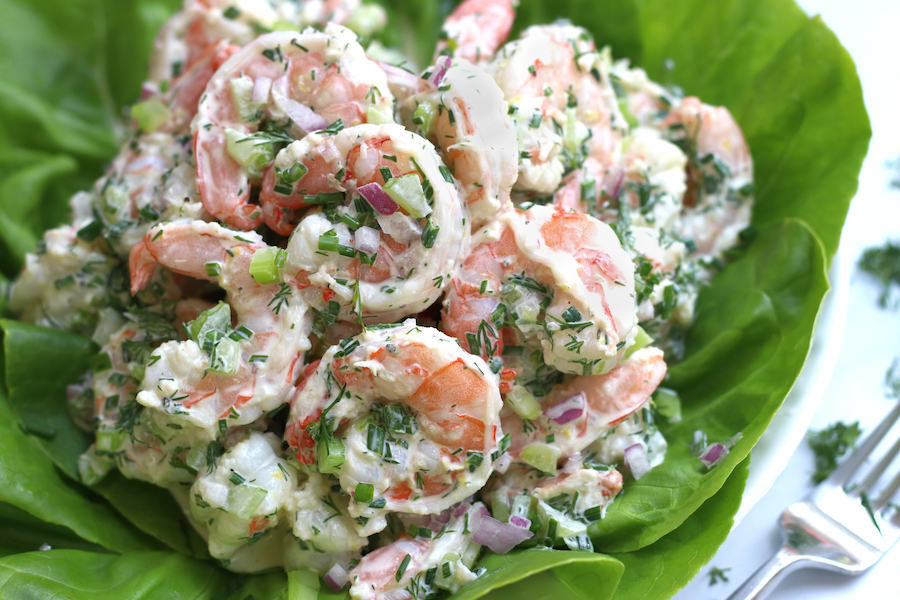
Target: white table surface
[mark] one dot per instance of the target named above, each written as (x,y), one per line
(871,340)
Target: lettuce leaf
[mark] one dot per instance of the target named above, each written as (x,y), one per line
(71,68)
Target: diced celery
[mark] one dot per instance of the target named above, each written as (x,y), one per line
(109,322)
(302,585)
(196,457)
(263,268)
(566,526)
(243,500)
(331,455)
(424,117)
(641,340)
(570,140)
(109,439)
(408,193)
(217,318)
(445,578)
(226,357)
(376,117)
(541,457)
(116,204)
(522,402)
(470,554)
(252,154)
(241,92)
(150,114)
(629,118)
(521,506)
(93,467)
(500,506)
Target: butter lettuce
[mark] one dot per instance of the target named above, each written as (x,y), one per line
(70,68)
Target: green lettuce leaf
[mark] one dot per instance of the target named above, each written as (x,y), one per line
(38,364)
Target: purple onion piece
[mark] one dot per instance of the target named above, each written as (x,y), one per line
(499,537)
(366,239)
(713,454)
(302,116)
(440,70)
(378,198)
(336,577)
(568,410)
(399,76)
(637,461)
(520,521)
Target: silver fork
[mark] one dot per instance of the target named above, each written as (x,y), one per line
(832,529)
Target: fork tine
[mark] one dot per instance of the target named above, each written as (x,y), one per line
(879,469)
(887,493)
(843,473)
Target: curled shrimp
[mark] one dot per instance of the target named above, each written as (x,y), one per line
(561,100)
(475,29)
(259,360)
(607,399)
(561,280)
(466,116)
(309,79)
(389,571)
(415,417)
(386,266)
(719,194)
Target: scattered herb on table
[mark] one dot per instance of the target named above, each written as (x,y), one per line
(892,379)
(716,575)
(830,444)
(883,263)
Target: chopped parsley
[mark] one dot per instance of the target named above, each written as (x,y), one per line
(830,444)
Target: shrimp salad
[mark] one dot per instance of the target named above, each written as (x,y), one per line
(372,321)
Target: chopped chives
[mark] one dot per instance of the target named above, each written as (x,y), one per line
(402,568)
(213,269)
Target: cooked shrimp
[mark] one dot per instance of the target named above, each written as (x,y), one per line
(201,24)
(382,266)
(561,100)
(604,400)
(464,113)
(311,79)
(219,381)
(719,196)
(416,418)
(559,279)
(392,569)
(475,29)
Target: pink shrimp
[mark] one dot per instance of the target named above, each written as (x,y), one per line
(431,407)
(397,262)
(471,125)
(538,266)
(257,373)
(607,399)
(308,79)
(475,29)
(719,193)
(387,572)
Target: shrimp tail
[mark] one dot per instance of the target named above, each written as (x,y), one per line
(141,265)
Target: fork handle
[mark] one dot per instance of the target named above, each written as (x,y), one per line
(763,581)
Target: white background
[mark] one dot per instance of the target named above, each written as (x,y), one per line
(870,30)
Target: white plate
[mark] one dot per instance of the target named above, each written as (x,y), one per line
(791,422)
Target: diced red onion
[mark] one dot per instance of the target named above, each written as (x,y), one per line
(378,198)
(496,535)
(402,228)
(440,69)
(637,461)
(336,577)
(442,517)
(520,521)
(260,93)
(568,410)
(713,454)
(461,509)
(619,181)
(149,90)
(501,465)
(367,240)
